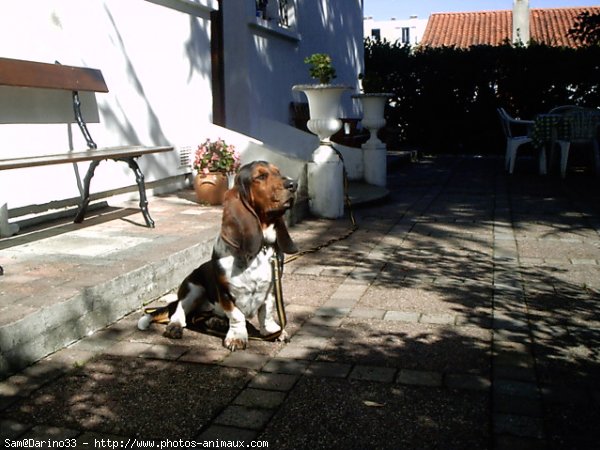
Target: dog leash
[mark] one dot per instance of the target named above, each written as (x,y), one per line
(276,261)
(346,188)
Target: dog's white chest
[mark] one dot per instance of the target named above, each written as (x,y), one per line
(249,284)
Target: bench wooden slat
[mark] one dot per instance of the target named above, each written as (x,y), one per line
(20,73)
(88,155)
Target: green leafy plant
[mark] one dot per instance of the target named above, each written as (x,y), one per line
(320,67)
(217,156)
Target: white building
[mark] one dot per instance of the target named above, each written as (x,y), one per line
(178,71)
(404,31)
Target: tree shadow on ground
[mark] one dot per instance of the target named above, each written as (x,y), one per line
(134,397)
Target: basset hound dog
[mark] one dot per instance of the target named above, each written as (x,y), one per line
(237,282)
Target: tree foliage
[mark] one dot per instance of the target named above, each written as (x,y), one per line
(586,30)
(445,99)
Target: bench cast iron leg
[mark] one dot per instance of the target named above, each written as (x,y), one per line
(139,178)
(85,196)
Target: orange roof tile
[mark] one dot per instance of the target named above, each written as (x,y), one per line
(549,26)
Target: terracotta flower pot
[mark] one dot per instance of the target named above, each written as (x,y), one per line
(210,188)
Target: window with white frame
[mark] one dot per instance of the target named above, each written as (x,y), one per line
(279,12)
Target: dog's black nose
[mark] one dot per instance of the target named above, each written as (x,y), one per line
(290,185)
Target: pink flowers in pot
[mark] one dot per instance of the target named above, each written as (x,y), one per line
(216,156)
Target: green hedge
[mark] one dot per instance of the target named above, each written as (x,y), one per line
(445,99)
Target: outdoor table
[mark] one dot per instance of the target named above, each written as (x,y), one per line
(548,129)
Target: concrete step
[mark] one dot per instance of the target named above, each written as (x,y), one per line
(63,281)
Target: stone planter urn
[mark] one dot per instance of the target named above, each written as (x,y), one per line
(374,151)
(325,171)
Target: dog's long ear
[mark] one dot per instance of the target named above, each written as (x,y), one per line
(284,240)
(240,227)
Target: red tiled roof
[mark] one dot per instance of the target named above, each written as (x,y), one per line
(549,26)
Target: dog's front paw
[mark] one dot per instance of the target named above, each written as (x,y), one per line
(235,340)
(173,331)
(283,337)
(269,327)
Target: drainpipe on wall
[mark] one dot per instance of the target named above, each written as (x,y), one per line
(520,32)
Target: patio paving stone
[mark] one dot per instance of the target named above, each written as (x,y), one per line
(373,373)
(244,417)
(259,398)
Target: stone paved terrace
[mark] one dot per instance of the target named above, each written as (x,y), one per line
(463,313)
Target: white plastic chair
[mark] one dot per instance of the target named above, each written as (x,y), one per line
(564,109)
(514,141)
(559,110)
(583,129)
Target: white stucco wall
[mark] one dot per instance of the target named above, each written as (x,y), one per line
(391,30)
(156,62)
(263,61)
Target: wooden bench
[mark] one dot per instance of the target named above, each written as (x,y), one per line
(29,74)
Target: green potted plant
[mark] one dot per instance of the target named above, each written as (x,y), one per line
(321,67)
(215,162)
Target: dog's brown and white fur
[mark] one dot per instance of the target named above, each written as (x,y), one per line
(237,282)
